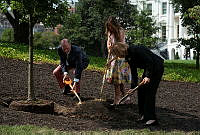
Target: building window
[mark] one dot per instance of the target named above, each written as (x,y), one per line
(163,33)
(177,31)
(164,8)
(149,8)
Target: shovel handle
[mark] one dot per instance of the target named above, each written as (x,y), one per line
(130,92)
(69,82)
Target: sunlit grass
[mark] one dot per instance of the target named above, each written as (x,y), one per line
(35,130)
(175,70)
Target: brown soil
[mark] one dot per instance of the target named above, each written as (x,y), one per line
(178,103)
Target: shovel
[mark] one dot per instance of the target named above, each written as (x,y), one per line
(130,92)
(69,82)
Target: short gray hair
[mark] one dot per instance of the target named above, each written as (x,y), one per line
(65,40)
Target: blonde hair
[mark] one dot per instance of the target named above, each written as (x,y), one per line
(119,49)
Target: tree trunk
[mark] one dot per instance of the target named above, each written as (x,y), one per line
(197,59)
(21,33)
(103,48)
(31,93)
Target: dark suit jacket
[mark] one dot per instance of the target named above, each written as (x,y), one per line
(142,57)
(76,59)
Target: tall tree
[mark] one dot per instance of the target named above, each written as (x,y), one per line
(73,30)
(94,13)
(50,12)
(90,29)
(190,11)
(142,30)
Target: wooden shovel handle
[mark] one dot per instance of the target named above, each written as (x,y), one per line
(130,92)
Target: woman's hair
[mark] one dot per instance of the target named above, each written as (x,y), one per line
(119,49)
(113,27)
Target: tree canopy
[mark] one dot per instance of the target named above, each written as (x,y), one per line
(46,11)
(91,16)
(190,15)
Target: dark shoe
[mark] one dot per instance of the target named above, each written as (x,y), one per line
(141,120)
(67,91)
(149,123)
(113,104)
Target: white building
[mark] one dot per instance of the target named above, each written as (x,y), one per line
(169,22)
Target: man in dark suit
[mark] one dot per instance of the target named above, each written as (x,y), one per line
(71,58)
(141,57)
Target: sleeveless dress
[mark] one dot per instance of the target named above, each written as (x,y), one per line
(119,71)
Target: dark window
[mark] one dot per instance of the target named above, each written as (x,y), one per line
(163,33)
(164,8)
(149,8)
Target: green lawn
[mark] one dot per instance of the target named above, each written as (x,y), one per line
(176,70)
(35,130)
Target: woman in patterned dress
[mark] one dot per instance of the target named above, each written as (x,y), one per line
(119,71)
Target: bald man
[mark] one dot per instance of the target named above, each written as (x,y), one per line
(71,58)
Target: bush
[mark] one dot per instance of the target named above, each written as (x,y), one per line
(8,35)
(45,40)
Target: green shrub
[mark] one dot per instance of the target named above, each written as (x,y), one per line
(8,35)
(45,40)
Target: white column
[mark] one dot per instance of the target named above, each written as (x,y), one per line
(168,24)
(191,54)
(181,28)
(171,23)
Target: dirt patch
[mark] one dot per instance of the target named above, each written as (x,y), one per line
(37,106)
(178,103)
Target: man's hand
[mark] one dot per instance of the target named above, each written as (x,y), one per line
(66,77)
(146,80)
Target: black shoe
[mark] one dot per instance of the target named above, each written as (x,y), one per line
(67,91)
(141,120)
(155,123)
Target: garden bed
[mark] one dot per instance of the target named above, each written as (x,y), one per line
(177,106)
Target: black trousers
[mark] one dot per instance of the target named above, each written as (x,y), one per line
(147,96)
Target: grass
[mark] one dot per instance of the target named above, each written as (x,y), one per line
(175,70)
(35,130)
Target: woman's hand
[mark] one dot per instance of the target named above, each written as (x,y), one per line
(146,80)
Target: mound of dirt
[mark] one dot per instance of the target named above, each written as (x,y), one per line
(91,109)
(96,110)
(38,106)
